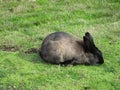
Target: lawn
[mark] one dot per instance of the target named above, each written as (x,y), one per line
(25,23)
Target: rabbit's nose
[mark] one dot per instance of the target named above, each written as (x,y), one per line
(101,61)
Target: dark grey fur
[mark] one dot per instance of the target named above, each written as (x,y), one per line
(62,48)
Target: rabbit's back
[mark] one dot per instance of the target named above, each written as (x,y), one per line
(59,47)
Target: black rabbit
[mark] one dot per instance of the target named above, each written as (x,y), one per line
(62,48)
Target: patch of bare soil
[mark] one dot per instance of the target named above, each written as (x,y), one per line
(9,48)
(32,50)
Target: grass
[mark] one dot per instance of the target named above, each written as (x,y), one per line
(25,23)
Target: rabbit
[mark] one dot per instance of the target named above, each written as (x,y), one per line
(64,49)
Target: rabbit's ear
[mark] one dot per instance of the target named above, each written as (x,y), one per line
(88,41)
(87,35)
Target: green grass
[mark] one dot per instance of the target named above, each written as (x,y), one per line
(24,24)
